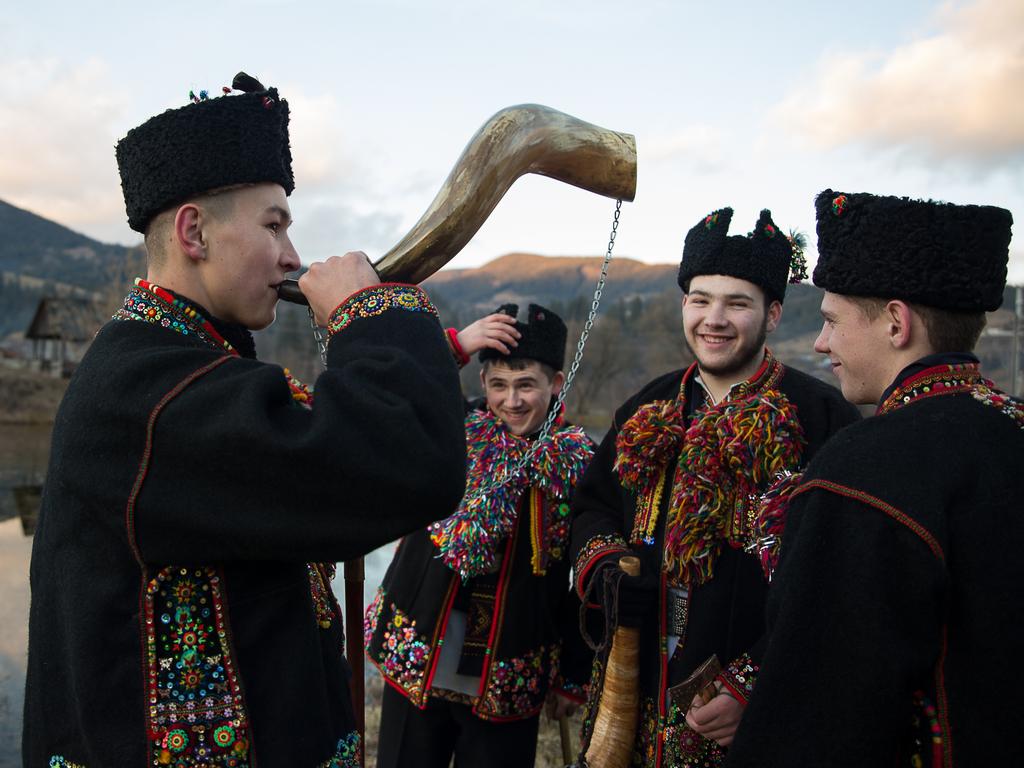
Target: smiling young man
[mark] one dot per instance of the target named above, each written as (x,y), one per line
(896,616)
(486,628)
(196,500)
(674,481)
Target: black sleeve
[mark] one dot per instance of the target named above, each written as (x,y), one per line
(235,469)
(855,626)
(597,514)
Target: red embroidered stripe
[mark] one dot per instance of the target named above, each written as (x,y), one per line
(874,501)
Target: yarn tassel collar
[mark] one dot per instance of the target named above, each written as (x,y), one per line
(468,541)
(727,455)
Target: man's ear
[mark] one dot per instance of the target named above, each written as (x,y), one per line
(557,382)
(774,316)
(898,316)
(188,231)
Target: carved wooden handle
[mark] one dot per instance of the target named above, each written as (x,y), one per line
(528,138)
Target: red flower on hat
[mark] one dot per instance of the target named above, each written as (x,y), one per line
(769,230)
(839,205)
(710,220)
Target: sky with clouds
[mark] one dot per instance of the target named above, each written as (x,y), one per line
(744,104)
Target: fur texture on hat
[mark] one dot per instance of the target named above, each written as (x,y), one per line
(206,145)
(543,337)
(936,254)
(762,257)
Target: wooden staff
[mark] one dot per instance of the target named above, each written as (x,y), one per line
(354,578)
(611,743)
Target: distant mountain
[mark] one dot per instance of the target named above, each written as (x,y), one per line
(36,247)
(39,257)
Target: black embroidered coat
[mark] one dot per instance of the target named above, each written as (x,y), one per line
(524,623)
(175,617)
(895,618)
(726,613)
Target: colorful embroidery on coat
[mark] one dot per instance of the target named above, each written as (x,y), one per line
(149,303)
(404,653)
(932,382)
(59,761)
(324,604)
(516,687)
(739,677)
(469,540)
(595,548)
(348,753)
(377,300)
(681,746)
(196,713)
(928,749)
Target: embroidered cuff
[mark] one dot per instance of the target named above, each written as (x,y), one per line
(376,300)
(452,336)
(596,548)
(739,677)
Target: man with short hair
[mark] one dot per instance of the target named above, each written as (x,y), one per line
(896,613)
(196,501)
(474,621)
(673,482)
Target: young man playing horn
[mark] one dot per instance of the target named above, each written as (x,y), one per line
(673,483)
(196,499)
(474,620)
(896,616)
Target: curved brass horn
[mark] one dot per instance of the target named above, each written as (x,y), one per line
(528,138)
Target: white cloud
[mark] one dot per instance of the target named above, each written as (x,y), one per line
(62,122)
(953,95)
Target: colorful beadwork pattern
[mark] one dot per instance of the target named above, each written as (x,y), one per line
(929,749)
(469,540)
(933,382)
(595,548)
(348,753)
(58,761)
(988,395)
(672,740)
(516,687)
(739,677)
(196,713)
(324,604)
(769,523)
(377,300)
(404,653)
(149,303)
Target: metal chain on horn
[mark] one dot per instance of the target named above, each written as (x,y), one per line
(545,430)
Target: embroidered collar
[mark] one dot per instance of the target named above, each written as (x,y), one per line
(728,453)
(948,379)
(148,302)
(926,362)
(468,540)
(952,379)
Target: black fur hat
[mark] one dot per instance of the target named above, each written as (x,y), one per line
(937,254)
(763,257)
(211,143)
(543,337)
